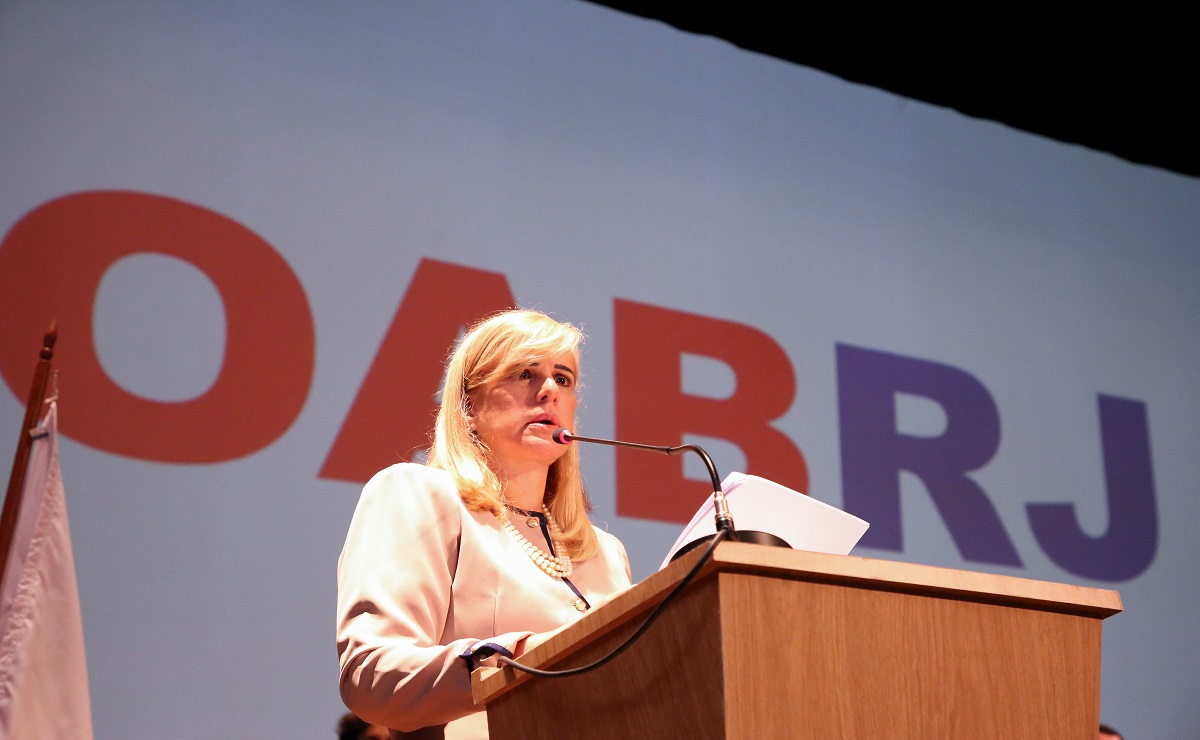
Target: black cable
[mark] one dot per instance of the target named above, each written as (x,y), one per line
(511,662)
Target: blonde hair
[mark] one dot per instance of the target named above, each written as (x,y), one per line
(491,350)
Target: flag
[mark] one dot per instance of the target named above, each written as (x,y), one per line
(43,671)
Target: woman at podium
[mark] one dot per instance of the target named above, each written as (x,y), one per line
(485,549)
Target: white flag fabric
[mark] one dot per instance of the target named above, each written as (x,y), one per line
(43,671)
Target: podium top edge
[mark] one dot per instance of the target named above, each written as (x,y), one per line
(930,580)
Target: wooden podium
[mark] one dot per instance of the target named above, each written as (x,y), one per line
(776,643)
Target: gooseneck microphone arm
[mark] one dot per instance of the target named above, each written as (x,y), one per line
(723,517)
(725,531)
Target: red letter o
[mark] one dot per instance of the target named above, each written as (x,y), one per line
(51,264)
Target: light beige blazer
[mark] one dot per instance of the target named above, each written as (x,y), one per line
(422,579)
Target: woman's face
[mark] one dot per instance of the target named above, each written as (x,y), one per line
(515,416)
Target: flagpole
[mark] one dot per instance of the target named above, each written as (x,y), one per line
(33,412)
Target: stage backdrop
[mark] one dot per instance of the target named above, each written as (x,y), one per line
(260,226)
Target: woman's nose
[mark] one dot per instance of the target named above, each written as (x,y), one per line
(548,390)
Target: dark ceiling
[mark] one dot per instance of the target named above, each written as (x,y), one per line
(1118,78)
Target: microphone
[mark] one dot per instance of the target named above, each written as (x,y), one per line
(720,507)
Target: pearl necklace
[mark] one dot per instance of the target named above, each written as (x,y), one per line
(556,567)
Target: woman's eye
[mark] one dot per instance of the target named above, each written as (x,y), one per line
(563,380)
(525,375)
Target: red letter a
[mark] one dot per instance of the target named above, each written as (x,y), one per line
(396,405)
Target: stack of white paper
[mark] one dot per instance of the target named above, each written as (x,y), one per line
(757,503)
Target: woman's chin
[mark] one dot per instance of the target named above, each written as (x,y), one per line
(533,449)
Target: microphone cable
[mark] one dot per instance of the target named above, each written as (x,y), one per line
(658,610)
